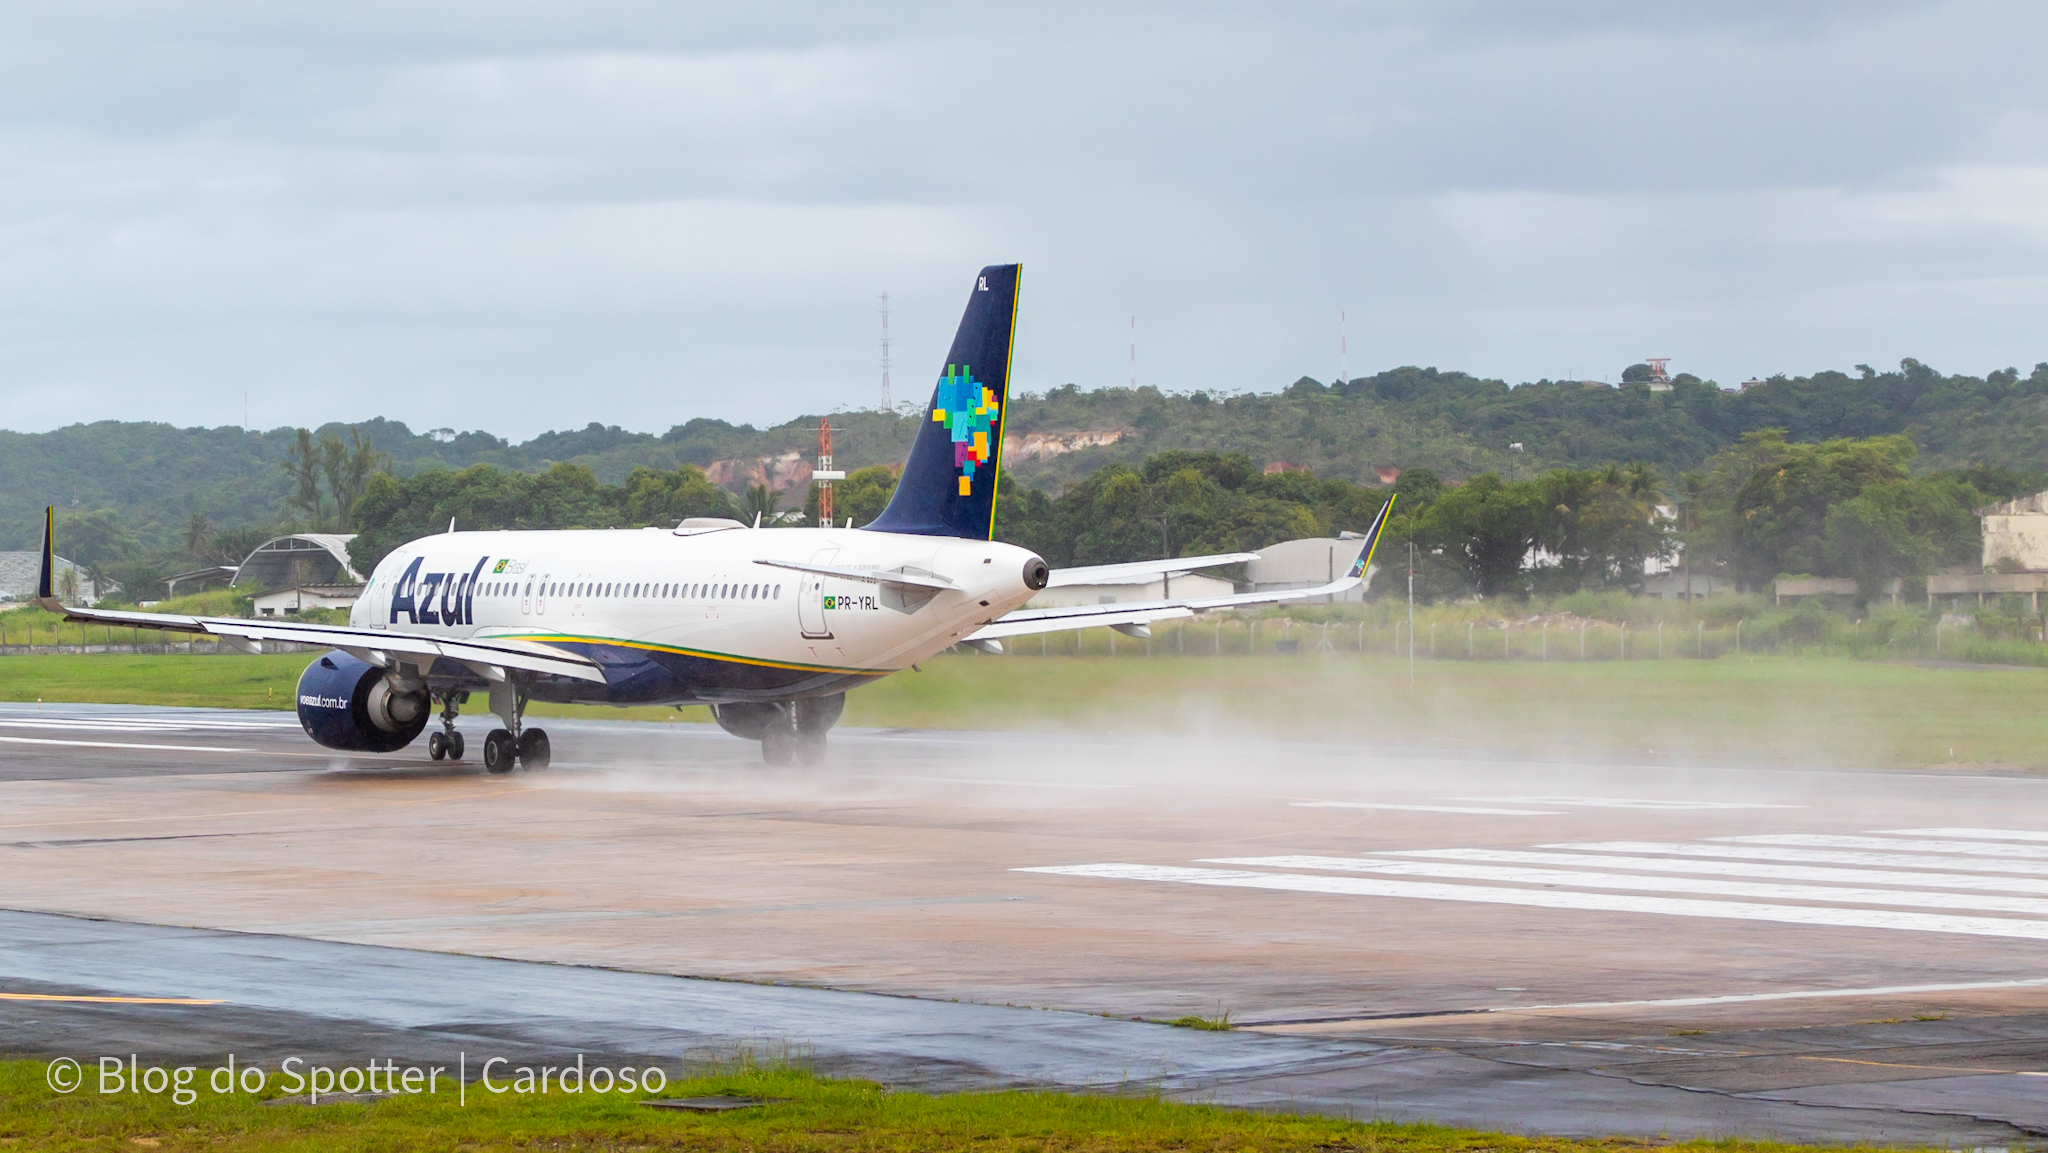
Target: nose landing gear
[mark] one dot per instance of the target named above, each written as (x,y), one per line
(447,744)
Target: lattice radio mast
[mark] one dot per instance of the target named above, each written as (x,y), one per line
(887,404)
(1343,348)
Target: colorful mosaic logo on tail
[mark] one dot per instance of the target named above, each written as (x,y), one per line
(968,409)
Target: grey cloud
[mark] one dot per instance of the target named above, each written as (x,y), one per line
(637,213)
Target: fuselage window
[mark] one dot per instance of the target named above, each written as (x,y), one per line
(778,592)
(754,592)
(636,590)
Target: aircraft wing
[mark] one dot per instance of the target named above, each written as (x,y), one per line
(487,657)
(1092,574)
(1134,617)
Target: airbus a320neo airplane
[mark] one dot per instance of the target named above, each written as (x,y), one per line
(768,627)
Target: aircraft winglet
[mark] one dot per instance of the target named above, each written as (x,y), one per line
(1372,538)
(46,578)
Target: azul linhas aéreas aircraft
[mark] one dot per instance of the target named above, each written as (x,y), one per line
(769,627)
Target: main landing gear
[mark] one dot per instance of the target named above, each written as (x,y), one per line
(504,748)
(788,730)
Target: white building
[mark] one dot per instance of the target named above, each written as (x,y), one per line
(19,572)
(299,598)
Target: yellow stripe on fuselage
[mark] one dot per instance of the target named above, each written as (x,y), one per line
(728,658)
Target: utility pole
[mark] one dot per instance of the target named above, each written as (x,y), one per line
(1411,617)
(1165,553)
(886,403)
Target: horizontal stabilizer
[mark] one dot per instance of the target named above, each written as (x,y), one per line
(1026,621)
(1106,573)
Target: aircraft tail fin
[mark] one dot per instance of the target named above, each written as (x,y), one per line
(948,486)
(46,575)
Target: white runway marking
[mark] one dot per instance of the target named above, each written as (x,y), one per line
(1424,808)
(1704,886)
(1629,803)
(142,725)
(1819,873)
(1795,995)
(1811,856)
(1562,899)
(1892,844)
(1968,834)
(118,745)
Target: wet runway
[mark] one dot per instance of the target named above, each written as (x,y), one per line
(1539,946)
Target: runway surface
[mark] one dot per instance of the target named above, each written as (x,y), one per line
(1552,947)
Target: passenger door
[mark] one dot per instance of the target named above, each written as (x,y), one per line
(810,599)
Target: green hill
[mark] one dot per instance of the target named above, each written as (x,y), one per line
(156,476)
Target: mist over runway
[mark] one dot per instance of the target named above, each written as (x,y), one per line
(1398,932)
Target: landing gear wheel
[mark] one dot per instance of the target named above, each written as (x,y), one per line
(533,748)
(778,744)
(810,748)
(498,751)
(454,746)
(437,745)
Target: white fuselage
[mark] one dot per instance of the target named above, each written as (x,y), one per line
(700,602)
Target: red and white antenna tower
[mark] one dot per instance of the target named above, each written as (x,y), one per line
(825,474)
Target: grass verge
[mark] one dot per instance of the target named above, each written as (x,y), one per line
(818,1114)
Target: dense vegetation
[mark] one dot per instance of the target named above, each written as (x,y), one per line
(1869,476)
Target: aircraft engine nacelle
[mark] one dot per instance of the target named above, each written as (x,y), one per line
(347,704)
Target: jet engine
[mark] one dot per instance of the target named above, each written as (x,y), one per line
(345,703)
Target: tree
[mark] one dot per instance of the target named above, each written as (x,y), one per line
(1902,528)
(392,511)
(1487,525)
(302,463)
(348,470)
(762,504)
(1600,526)
(1779,515)
(655,497)
(865,492)
(198,534)
(1418,488)
(95,540)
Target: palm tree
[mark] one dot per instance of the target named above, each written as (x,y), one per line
(198,534)
(761,502)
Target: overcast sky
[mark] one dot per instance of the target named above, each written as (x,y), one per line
(521,216)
